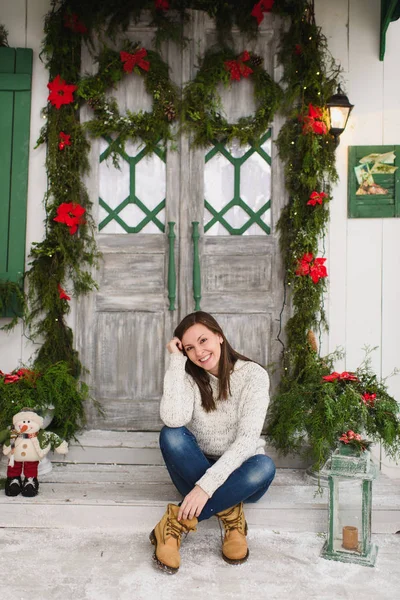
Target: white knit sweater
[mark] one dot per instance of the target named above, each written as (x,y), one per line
(231,433)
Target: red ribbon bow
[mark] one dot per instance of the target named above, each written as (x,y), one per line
(260,8)
(161,4)
(237,68)
(131,60)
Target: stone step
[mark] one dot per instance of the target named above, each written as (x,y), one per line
(138,448)
(133,497)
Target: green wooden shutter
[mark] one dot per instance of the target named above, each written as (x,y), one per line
(15,109)
(374,205)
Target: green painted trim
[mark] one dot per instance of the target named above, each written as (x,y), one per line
(151,215)
(196,266)
(171,266)
(389,12)
(14,82)
(237,162)
(15,112)
(113,213)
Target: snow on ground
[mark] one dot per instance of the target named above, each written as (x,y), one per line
(43,564)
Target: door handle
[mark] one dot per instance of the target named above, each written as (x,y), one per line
(196,266)
(171,266)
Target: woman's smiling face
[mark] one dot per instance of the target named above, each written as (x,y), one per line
(203,347)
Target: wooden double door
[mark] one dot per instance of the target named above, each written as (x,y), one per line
(122,329)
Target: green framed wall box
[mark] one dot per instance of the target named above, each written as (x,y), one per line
(374,182)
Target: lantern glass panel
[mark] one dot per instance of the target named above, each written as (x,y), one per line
(348,503)
(339,116)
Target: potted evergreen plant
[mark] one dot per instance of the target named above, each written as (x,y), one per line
(49,388)
(322,408)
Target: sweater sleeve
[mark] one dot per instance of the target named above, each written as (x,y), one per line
(252,411)
(177,402)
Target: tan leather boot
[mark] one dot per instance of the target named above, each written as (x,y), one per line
(166,537)
(234,546)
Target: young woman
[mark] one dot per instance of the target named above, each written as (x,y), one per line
(213,407)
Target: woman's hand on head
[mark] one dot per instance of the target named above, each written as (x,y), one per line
(175,346)
(193,503)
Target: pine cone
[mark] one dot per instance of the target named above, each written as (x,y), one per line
(255,60)
(312,340)
(170,111)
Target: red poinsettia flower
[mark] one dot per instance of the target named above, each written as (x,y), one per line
(65,140)
(315,112)
(316,198)
(71,21)
(62,293)
(60,92)
(308,265)
(348,376)
(368,399)
(260,8)
(312,122)
(237,68)
(319,127)
(25,372)
(332,377)
(131,60)
(303,267)
(345,376)
(318,270)
(11,378)
(71,214)
(162,4)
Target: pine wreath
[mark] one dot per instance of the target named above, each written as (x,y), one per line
(202,104)
(149,127)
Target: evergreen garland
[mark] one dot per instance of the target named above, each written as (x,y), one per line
(66,259)
(202,105)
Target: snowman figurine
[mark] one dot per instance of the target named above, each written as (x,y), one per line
(28,443)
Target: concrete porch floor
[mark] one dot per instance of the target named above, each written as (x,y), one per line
(85,536)
(104,564)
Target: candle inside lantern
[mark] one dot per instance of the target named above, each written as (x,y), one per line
(350,537)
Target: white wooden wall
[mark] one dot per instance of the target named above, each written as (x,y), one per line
(362,304)
(363,254)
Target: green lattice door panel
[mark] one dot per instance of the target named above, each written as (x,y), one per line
(237,189)
(132,197)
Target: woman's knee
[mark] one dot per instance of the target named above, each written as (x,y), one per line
(173,438)
(262,471)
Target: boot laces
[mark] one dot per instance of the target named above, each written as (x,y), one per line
(233,523)
(174,529)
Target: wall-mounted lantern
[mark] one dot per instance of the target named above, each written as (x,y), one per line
(339,109)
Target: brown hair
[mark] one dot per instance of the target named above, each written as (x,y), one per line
(228,358)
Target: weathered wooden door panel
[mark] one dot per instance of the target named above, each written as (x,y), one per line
(237,197)
(123,327)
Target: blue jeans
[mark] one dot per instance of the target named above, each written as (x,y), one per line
(186,464)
